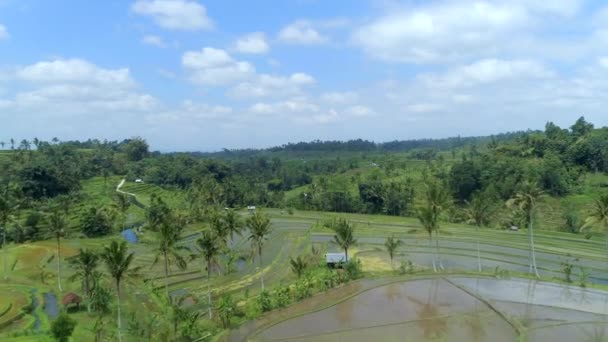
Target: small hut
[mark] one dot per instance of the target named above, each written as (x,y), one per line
(71,298)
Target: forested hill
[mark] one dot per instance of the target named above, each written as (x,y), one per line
(359,145)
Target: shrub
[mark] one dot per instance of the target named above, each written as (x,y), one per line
(282,297)
(265,301)
(63,327)
(303,289)
(406,267)
(354,269)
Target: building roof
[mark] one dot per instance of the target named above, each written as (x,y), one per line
(71,298)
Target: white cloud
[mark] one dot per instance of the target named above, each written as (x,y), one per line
(359,111)
(339,97)
(154,41)
(254,43)
(265,85)
(603,61)
(189,112)
(3,32)
(185,15)
(301,32)
(488,71)
(74,70)
(436,32)
(213,66)
(291,106)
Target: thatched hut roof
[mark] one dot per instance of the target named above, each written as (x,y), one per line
(71,298)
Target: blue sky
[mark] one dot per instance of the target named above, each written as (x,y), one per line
(203,75)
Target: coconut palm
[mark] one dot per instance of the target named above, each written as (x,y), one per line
(298,265)
(391,245)
(479,212)
(526,200)
(209,245)
(57,223)
(85,263)
(232,223)
(599,216)
(344,235)
(118,261)
(168,248)
(259,229)
(436,200)
(217,224)
(122,204)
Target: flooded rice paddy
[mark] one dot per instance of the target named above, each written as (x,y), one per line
(454,309)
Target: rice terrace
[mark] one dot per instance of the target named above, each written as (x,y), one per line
(235,171)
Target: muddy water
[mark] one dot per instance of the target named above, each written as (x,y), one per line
(413,311)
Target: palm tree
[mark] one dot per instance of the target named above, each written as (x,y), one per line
(391,245)
(437,199)
(218,226)
(526,199)
(226,308)
(118,261)
(122,204)
(298,265)
(85,263)
(599,216)
(259,229)
(57,223)
(232,223)
(210,248)
(344,235)
(479,212)
(168,248)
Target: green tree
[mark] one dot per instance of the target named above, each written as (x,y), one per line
(136,149)
(436,200)
(232,222)
(168,248)
(599,216)
(226,308)
(63,327)
(122,204)
(298,265)
(391,245)
(479,211)
(84,263)
(96,222)
(157,212)
(118,261)
(526,200)
(259,229)
(57,224)
(344,235)
(210,248)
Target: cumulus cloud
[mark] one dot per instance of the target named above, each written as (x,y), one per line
(301,32)
(339,97)
(212,66)
(264,85)
(74,70)
(153,41)
(253,43)
(3,32)
(187,15)
(436,32)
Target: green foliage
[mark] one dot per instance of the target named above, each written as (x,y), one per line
(84,263)
(264,301)
(96,222)
(298,266)
(226,309)
(353,269)
(567,267)
(282,296)
(63,327)
(136,149)
(391,245)
(344,234)
(303,289)
(406,267)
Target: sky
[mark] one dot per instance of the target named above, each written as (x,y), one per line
(210,74)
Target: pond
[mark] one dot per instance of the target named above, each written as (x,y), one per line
(129,235)
(454,309)
(51,306)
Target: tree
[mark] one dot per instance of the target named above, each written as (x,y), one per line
(259,229)
(96,222)
(122,204)
(436,200)
(168,248)
(136,149)
(344,235)
(85,263)
(57,223)
(118,261)
(157,212)
(63,327)
(391,245)
(526,200)
(599,216)
(7,207)
(232,222)
(581,127)
(479,212)
(298,266)
(226,308)
(209,245)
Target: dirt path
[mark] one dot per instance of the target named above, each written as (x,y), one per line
(122,182)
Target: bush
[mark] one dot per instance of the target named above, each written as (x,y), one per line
(63,327)
(354,269)
(303,289)
(265,301)
(406,267)
(282,297)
